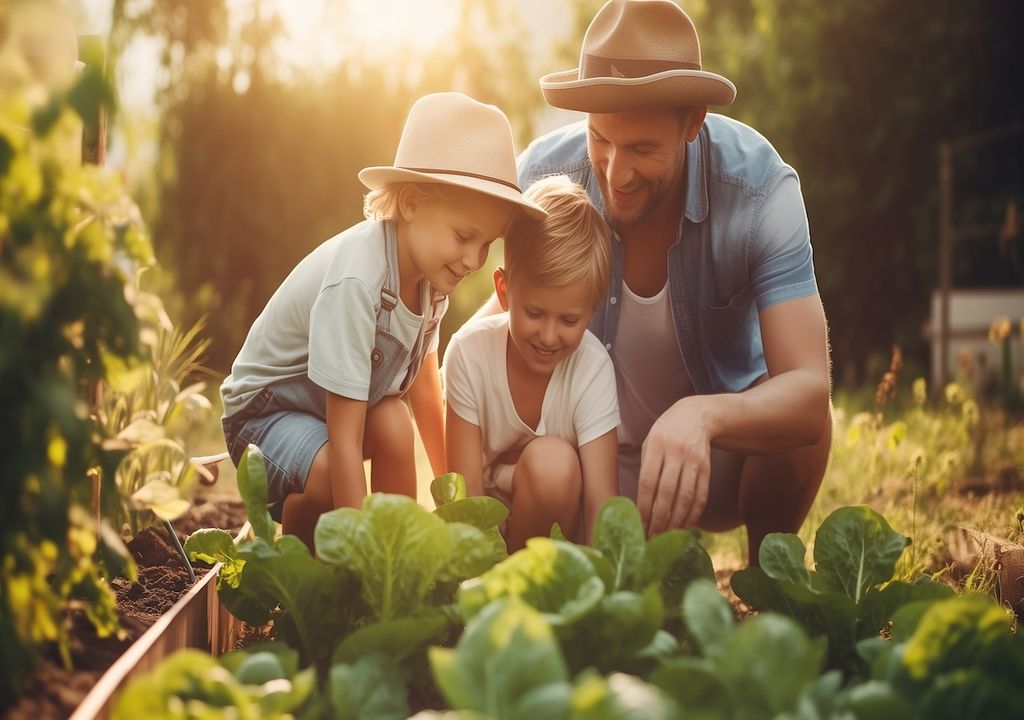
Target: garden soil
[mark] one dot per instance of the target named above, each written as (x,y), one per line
(54,691)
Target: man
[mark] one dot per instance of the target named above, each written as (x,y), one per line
(713,317)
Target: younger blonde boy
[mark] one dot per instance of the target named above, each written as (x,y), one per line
(532,410)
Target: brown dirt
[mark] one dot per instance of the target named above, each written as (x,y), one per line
(54,691)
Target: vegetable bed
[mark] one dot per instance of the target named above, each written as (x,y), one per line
(409,612)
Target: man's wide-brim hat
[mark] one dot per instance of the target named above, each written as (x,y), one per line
(452,139)
(637,55)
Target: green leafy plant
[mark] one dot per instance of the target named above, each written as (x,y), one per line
(262,681)
(764,667)
(383,576)
(954,658)
(609,604)
(70,243)
(147,411)
(850,595)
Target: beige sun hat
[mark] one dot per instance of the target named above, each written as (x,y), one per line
(637,54)
(451,138)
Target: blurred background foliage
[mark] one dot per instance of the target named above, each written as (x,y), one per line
(257,156)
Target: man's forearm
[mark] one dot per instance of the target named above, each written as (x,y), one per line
(779,414)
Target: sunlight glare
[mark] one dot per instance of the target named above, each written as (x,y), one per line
(323,32)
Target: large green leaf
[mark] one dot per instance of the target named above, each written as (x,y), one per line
(314,598)
(373,688)
(553,576)
(697,687)
(473,552)
(396,639)
(480,512)
(614,635)
(957,633)
(708,616)
(252,485)
(213,546)
(507,652)
(773,660)
(856,549)
(448,488)
(878,606)
(782,558)
(395,547)
(619,534)
(673,560)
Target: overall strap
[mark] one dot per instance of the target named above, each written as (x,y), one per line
(388,291)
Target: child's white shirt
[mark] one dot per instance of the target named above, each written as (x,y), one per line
(580,402)
(322,321)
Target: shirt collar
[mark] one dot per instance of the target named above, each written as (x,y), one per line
(696,201)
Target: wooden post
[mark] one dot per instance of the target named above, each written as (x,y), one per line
(92,52)
(945,259)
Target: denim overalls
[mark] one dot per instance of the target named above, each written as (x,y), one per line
(295,409)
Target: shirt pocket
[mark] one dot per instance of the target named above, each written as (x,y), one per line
(728,341)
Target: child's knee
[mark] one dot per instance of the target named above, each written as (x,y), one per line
(552,468)
(388,427)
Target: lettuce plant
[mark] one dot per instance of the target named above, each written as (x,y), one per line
(764,667)
(262,681)
(850,595)
(609,604)
(953,658)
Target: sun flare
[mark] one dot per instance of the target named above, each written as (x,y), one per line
(325,31)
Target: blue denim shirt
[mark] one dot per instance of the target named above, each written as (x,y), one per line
(742,245)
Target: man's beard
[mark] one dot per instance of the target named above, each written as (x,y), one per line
(619,221)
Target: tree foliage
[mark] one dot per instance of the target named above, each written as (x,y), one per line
(259,162)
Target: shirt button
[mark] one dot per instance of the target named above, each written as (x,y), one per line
(613,300)
(608,346)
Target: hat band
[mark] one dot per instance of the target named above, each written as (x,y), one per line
(595,66)
(438,171)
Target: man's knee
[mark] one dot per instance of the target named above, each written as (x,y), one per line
(551,468)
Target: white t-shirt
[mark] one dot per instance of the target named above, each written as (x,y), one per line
(579,404)
(650,374)
(322,321)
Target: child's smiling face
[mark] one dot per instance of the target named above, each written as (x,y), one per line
(448,237)
(546,324)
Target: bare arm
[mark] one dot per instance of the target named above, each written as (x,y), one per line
(788,410)
(428,409)
(346,420)
(465,455)
(599,461)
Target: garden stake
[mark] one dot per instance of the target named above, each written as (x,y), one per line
(181,551)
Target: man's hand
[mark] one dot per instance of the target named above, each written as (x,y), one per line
(675,467)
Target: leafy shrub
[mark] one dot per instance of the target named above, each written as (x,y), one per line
(70,242)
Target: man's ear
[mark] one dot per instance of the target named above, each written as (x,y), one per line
(501,287)
(694,122)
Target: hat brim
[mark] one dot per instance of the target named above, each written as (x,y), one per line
(672,88)
(378,176)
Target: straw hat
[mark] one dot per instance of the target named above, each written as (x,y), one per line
(637,54)
(453,139)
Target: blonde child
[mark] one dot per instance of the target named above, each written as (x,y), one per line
(319,382)
(532,409)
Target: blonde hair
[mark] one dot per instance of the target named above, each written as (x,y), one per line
(572,243)
(384,202)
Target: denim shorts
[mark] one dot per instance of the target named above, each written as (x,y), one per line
(287,421)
